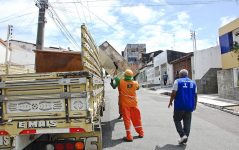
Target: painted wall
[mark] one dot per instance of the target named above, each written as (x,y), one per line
(230,60)
(228,35)
(22,56)
(206,59)
(150,75)
(229,27)
(161,62)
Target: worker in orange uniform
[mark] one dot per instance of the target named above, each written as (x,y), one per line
(128,102)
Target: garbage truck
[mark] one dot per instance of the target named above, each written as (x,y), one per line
(57,108)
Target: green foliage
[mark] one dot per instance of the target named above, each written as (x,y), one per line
(235,47)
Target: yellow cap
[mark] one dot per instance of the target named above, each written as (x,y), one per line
(129,72)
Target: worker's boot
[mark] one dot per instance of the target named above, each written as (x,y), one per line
(120,116)
(128,137)
(140,132)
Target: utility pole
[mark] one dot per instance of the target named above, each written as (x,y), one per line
(193,38)
(9,36)
(42,5)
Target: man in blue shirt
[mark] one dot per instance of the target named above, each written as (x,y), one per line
(184,95)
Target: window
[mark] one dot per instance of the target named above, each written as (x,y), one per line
(236,77)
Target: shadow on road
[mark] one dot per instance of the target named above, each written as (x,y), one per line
(171,147)
(108,128)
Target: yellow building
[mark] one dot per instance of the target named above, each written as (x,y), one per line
(228,35)
(228,77)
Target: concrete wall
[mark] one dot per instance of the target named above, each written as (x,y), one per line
(162,62)
(206,59)
(208,83)
(150,75)
(22,56)
(226,87)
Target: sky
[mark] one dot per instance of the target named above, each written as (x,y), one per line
(160,24)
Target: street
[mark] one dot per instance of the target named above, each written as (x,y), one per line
(211,129)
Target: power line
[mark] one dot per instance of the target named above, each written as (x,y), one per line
(99,17)
(82,11)
(88,8)
(77,11)
(62,27)
(15,17)
(156,5)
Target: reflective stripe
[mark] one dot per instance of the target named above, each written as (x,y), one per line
(128,130)
(132,97)
(138,127)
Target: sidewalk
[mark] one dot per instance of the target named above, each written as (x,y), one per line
(211,100)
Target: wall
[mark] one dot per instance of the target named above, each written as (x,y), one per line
(229,34)
(206,59)
(161,61)
(22,56)
(229,27)
(230,60)
(208,83)
(150,75)
(141,77)
(226,88)
(183,64)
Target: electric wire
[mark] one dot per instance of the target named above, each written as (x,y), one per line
(79,1)
(77,11)
(62,27)
(156,4)
(16,17)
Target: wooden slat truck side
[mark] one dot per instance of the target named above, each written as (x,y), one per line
(59,107)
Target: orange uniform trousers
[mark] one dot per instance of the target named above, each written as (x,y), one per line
(132,114)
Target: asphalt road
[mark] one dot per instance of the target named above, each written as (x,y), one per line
(211,129)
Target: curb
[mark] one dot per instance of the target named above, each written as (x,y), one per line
(166,93)
(231,111)
(222,108)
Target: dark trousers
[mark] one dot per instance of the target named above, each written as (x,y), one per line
(165,82)
(184,116)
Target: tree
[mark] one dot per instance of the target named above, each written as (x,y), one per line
(236,48)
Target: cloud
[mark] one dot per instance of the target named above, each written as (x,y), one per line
(141,23)
(141,13)
(225,20)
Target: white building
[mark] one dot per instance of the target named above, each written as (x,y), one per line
(161,66)
(150,73)
(206,59)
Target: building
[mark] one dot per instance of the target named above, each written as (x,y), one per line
(21,56)
(146,58)
(206,59)
(207,63)
(182,63)
(228,77)
(145,76)
(19,60)
(162,65)
(133,54)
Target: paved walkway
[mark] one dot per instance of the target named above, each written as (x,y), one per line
(211,100)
